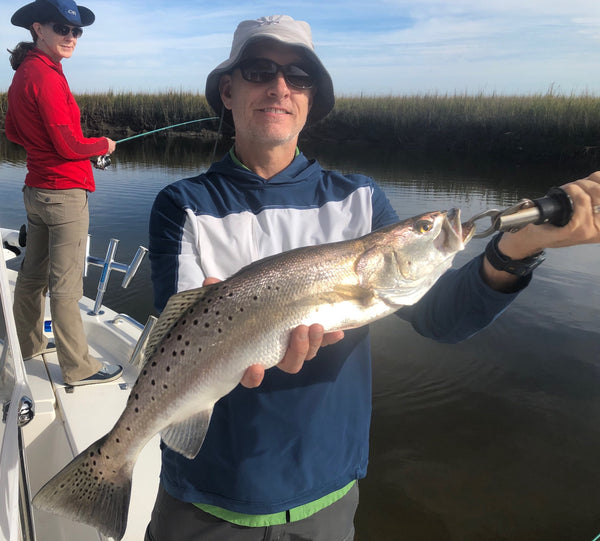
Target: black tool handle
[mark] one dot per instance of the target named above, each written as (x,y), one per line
(555,208)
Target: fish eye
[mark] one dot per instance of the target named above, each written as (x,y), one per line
(423,226)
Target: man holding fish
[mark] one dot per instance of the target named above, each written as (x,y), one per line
(293,258)
(263,466)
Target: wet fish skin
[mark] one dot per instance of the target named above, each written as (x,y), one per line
(206,338)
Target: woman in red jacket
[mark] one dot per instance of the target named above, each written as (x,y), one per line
(44,118)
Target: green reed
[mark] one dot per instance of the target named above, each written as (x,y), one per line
(138,112)
(540,125)
(528,127)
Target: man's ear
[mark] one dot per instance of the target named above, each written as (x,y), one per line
(225,90)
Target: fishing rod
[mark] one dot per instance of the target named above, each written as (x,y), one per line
(102,162)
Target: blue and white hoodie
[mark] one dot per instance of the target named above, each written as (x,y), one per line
(297,437)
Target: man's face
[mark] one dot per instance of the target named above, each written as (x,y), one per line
(271,113)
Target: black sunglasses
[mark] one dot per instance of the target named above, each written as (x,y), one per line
(263,70)
(64,29)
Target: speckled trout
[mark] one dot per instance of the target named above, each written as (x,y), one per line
(206,338)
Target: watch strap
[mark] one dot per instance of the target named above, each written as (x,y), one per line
(501,262)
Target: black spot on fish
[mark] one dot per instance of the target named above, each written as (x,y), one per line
(168,369)
(179,337)
(153,382)
(182,352)
(207,324)
(195,322)
(153,363)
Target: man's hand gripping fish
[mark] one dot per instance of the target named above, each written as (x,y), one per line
(206,338)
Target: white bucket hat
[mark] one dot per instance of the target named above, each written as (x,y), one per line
(284,29)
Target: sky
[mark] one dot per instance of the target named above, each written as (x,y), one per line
(370,47)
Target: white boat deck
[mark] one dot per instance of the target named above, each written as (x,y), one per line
(69,419)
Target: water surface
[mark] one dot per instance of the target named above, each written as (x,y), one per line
(496,438)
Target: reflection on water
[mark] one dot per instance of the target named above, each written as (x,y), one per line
(492,439)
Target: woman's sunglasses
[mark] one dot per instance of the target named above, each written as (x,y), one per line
(65,29)
(263,70)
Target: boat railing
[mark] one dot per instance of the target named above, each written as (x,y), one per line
(16,516)
(108,264)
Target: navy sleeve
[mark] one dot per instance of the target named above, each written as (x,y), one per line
(459,305)
(166,228)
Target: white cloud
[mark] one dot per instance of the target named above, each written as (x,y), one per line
(385,46)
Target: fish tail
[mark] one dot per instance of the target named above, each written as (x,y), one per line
(91,489)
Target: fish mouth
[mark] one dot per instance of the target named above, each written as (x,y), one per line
(454,234)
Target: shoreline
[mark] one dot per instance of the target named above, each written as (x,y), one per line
(517,128)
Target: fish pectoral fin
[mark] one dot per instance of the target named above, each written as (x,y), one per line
(355,293)
(340,293)
(186,437)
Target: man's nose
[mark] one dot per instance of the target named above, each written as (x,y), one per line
(279,84)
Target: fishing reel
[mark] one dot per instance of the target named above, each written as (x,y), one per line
(102,162)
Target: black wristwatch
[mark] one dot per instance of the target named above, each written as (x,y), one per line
(501,262)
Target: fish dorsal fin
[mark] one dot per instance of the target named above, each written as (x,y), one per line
(173,310)
(186,437)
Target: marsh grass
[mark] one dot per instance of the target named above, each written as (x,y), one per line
(539,125)
(529,127)
(136,113)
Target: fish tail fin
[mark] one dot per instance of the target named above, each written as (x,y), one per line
(90,489)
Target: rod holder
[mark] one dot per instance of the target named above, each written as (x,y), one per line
(108,264)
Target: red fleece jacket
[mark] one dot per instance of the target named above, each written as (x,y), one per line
(44,118)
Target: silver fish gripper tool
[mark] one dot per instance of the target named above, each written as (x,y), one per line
(555,208)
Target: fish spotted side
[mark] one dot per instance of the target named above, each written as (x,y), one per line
(206,338)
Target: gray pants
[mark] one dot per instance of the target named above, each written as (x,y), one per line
(174,520)
(57,226)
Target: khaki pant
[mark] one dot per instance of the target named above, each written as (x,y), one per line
(57,229)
